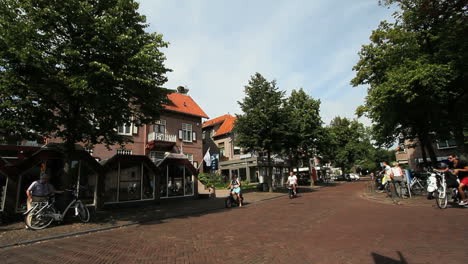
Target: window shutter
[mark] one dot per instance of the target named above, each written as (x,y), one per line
(194,136)
(181,135)
(135,129)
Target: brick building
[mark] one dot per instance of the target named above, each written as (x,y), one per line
(219,138)
(410,152)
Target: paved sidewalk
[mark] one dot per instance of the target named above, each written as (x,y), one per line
(16,233)
(333,225)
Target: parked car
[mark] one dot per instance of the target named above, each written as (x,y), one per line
(354,176)
(339,177)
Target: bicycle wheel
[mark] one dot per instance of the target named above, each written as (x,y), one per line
(83,212)
(441,197)
(39,220)
(228,202)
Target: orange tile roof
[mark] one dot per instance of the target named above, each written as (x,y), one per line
(227,126)
(217,120)
(184,104)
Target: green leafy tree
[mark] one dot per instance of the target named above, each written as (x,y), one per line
(350,143)
(304,126)
(78,69)
(417,70)
(261,126)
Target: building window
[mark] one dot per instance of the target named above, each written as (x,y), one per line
(190,157)
(443,144)
(221,149)
(237,150)
(124,152)
(203,134)
(125,130)
(187,132)
(160,127)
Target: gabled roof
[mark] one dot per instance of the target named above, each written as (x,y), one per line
(227,126)
(184,104)
(216,120)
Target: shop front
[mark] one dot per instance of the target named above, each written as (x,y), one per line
(129,178)
(177,177)
(81,173)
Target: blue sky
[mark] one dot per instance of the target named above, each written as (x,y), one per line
(216,46)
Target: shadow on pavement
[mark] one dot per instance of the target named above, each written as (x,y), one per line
(123,216)
(379,259)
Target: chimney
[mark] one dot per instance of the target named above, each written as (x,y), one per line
(182,90)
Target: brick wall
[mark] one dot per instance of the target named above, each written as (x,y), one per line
(140,139)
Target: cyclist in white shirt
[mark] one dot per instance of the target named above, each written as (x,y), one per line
(292,181)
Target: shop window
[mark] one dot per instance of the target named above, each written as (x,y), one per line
(3,185)
(111,184)
(175,183)
(54,169)
(163,182)
(148,183)
(129,181)
(88,183)
(243,174)
(188,182)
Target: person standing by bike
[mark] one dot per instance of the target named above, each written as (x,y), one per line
(460,168)
(292,181)
(235,187)
(398,176)
(39,190)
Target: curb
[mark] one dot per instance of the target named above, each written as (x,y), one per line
(33,241)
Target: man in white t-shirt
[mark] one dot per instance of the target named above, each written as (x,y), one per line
(292,181)
(388,174)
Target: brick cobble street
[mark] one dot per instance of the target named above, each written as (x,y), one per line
(332,225)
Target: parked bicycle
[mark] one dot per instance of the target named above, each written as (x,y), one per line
(418,184)
(42,214)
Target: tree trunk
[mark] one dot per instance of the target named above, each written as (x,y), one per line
(270,172)
(67,178)
(432,154)
(311,170)
(422,145)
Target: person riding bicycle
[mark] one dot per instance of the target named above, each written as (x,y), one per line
(460,168)
(235,187)
(292,181)
(387,175)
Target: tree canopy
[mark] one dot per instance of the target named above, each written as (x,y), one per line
(417,69)
(78,69)
(304,126)
(349,142)
(261,126)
